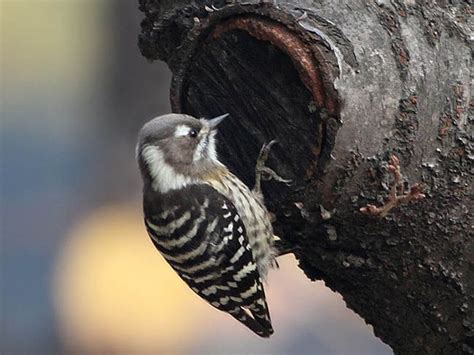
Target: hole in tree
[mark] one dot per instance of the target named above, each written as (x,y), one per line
(259,86)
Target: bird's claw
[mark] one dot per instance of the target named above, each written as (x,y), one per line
(263,172)
(269,174)
(264,151)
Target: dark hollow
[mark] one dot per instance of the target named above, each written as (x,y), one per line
(259,86)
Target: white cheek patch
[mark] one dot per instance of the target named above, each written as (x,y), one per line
(206,147)
(182,130)
(164,177)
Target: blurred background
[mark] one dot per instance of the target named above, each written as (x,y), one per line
(78,273)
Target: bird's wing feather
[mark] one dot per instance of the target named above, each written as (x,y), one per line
(214,258)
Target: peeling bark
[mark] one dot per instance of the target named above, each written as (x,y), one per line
(343,86)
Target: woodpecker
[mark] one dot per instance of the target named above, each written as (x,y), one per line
(210,227)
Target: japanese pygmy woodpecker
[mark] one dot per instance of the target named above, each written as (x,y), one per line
(210,227)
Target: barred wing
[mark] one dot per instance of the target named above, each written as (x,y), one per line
(201,235)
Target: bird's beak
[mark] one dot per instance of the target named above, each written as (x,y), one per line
(213,122)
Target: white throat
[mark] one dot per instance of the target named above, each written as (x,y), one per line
(206,147)
(164,177)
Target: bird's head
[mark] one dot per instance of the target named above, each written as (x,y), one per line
(176,149)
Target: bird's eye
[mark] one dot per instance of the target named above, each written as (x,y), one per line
(193,133)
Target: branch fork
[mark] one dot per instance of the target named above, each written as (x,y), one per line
(397,195)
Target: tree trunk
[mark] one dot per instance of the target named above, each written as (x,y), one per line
(344,86)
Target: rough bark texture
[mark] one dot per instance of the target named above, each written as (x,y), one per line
(343,85)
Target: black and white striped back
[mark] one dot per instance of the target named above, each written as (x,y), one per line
(201,235)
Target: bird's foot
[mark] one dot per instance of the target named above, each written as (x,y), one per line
(397,195)
(263,172)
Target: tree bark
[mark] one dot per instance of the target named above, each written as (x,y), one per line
(344,86)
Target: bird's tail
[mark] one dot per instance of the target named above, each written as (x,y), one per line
(260,323)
